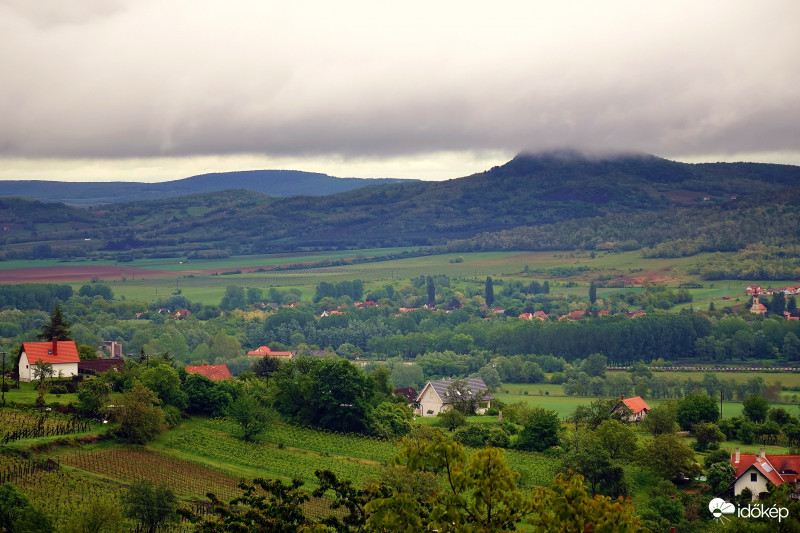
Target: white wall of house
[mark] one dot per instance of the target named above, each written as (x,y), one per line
(59,369)
(756,487)
(430,401)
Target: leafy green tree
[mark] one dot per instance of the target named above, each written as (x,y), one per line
(391,420)
(791,347)
(541,431)
(618,439)
(594,414)
(708,436)
(98,516)
(251,415)
(661,419)
(164,380)
(479,492)
(254,295)
(778,304)
(667,456)
(452,419)
(263,367)
(139,416)
(489,291)
(205,396)
(328,393)
(595,365)
(151,506)
(755,407)
(12,503)
(720,476)
(224,347)
(57,328)
(747,431)
(566,506)
(86,352)
(271,505)
(408,376)
(380,379)
(42,371)
(590,459)
(234,298)
(696,408)
(93,396)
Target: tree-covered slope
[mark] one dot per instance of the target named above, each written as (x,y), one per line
(553,200)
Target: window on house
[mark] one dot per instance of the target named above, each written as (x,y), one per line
(753,477)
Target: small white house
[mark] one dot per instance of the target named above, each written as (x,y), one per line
(435,397)
(63,355)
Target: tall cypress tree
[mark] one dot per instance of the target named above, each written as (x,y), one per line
(489,291)
(431,292)
(592,293)
(57,328)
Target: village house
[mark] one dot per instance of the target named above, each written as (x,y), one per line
(63,355)
(435,397)
(408,393)
(212,372)
(637,406)
(262,351)
(754,471)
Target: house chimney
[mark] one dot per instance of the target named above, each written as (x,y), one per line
(762,454)
(737,455)
(55,345)
(622,397)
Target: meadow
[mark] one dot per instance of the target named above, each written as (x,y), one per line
(205,280)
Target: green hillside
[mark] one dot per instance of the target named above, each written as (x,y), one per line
(562,199)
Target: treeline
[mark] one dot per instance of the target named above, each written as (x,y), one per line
(353,289)
(756,261)
(34,296)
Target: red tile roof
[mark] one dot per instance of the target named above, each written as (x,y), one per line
(635,404)
(212,372)
(51,352)
(777,468)
(265,350)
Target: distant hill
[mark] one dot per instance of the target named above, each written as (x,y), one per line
(557,199)
(272,182)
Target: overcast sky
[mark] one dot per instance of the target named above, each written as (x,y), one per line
(150,90)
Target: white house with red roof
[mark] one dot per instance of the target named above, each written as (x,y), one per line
(63,355)
(637,405)
(754,471)
(212,372)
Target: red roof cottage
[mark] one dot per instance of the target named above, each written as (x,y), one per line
(212,372)
(63,355)
(637,405)
(265,350)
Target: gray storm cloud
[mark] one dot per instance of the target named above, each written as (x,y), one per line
(96,79)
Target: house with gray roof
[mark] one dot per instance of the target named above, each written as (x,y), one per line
(439,396)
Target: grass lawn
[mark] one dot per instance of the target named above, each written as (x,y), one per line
(27,394)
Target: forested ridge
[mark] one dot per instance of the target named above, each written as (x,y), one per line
(559,200)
